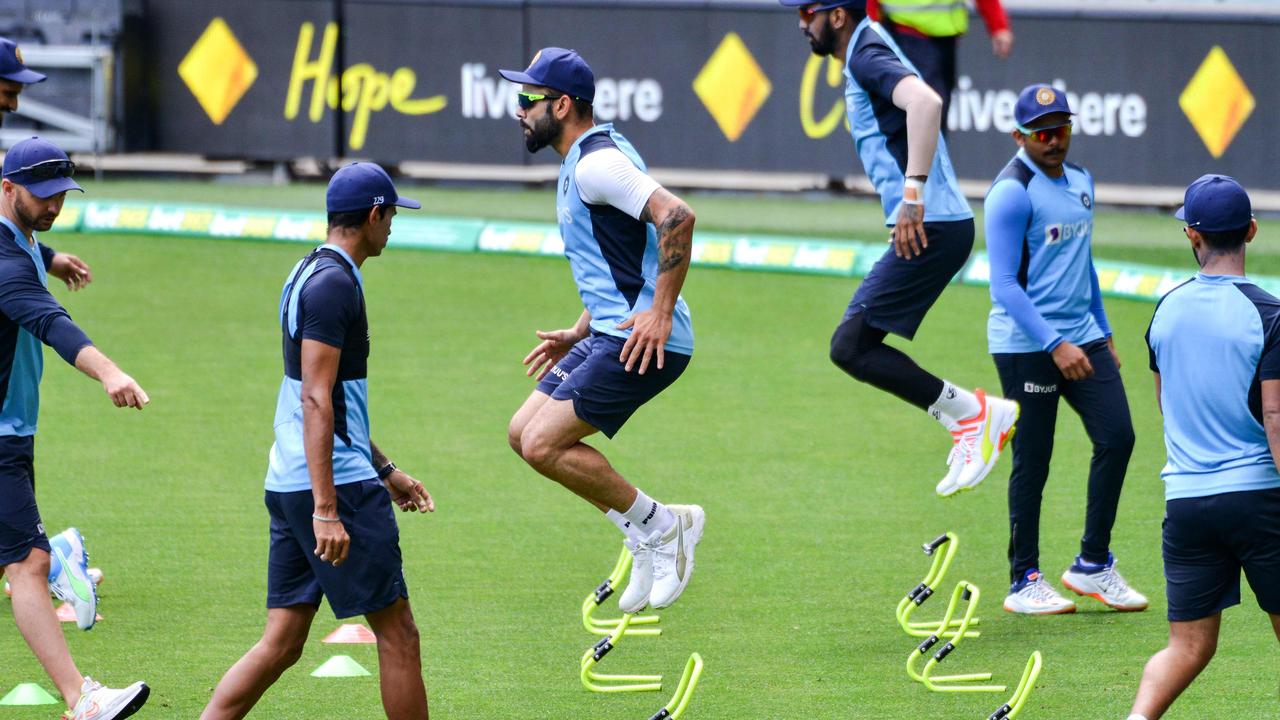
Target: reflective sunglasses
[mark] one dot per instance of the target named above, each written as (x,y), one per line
(47,170)
(1044,135)
(528,100)
(807,13)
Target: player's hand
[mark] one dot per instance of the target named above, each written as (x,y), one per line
(1111,345)
(1072,361)
(71,270)
(408,494)
(555,345)
(908,236)
(124,391)
(1002,43)
(649,333)
(332,541)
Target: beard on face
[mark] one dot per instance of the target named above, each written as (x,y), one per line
(544,131)
(824,43)
(30,218)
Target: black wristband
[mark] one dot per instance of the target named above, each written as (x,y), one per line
(385,471)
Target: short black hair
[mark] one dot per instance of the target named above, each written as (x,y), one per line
(350,218)
(582,107)
(1225,241)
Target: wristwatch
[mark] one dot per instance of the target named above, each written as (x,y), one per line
(385,471)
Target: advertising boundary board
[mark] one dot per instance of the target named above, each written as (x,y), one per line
(735,251)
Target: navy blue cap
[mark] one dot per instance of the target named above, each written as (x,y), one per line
(41,167)
(360,186)
(12,67)
(558,69)
(859,4)
(1036,101)
(1214,203)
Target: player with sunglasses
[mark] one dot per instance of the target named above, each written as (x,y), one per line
(628,241)
(896,121)
(1050,339)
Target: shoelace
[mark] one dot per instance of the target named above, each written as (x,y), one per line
(1112,582)
(1040,590)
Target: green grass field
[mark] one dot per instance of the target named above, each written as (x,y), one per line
(818,490)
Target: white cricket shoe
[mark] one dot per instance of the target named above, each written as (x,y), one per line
(955,464)
(70,580)
(636,596)
(103,703)
(1104,584)
(673,555)
(1033,596)
(980,442)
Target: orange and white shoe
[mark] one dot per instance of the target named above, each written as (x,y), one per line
(1104,584)
(978,443)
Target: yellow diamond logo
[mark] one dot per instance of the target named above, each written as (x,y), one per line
(217,70)
(1216,101)
(732,86)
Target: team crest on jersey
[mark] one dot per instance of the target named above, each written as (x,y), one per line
(564,189)
(1085,200)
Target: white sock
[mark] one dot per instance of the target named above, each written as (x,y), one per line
(633,535)
(648,515)
(946,420)
(956,402)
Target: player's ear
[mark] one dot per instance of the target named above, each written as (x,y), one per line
(1253,230)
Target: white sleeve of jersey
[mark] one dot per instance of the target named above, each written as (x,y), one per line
(608,177)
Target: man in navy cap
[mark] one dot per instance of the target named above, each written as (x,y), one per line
(628,242)
(1215,352)
(14,76)
(896,122)
(36,178)
(329,488)
(1050,339)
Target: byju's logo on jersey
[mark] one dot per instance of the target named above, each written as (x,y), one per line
(1060,232)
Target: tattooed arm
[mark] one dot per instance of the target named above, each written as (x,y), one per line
(650,328)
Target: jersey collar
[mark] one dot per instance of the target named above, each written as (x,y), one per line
(354,268)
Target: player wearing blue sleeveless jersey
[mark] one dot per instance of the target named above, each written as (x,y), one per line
(628,242)
(896,122)
(329,489)
(1215,352)
(1050,339)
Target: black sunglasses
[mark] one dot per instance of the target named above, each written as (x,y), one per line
(47,170)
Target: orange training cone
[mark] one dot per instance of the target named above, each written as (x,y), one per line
(352,634)
(66,613)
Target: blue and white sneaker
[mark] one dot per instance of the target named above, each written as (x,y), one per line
(1031,595)
(1104,584)
(69,576)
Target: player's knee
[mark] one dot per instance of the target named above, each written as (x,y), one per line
(844,348)
(282,652)
(1118,441)
(536,448)
(514,430)
(36,564)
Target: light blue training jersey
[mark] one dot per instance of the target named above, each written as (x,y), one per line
(1213,340)
(1044,288)
(613,256)
(323,300)
(873,67)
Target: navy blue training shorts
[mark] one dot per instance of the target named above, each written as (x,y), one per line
(897,293)
(1209,540)
(20,527)
(604,394)
(371,579)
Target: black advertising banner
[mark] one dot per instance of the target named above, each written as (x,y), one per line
(693,85)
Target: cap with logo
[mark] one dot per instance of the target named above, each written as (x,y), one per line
(41,167)
(1036,101)
(360,186)
(13,68)
(558,69)
(1214,203)
(829,5)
